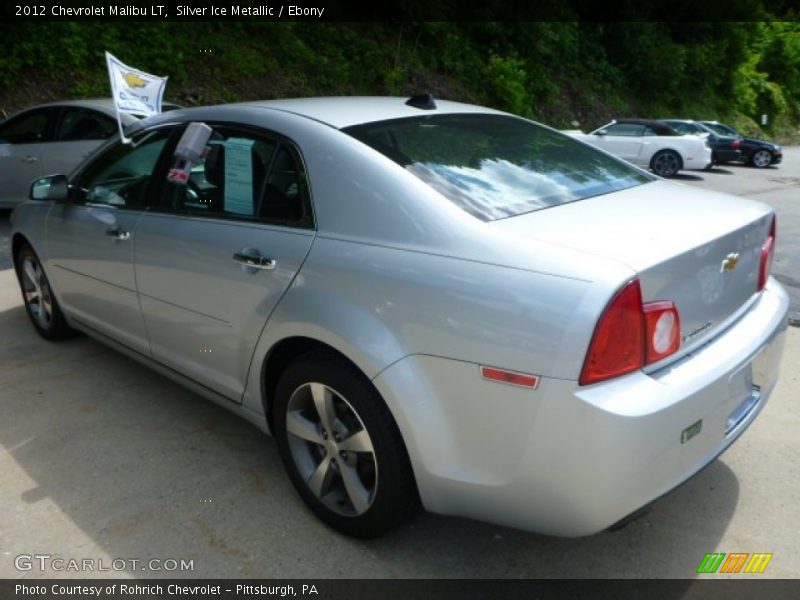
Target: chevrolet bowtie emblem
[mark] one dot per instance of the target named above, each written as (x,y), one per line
(730,262)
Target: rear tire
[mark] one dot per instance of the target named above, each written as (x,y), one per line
(666,163)
(40,302)
(341,447)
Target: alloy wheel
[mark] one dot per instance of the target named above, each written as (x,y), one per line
(38,296)
(331,449)
(666,164)
(762,159)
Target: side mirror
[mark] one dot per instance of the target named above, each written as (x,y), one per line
(601,132)
(54,187)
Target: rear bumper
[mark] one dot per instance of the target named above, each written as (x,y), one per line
(698,161)
(569,460)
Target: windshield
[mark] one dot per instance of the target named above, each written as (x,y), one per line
(721,129)
(496,166)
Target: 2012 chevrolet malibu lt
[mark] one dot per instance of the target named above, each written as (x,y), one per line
(423,301)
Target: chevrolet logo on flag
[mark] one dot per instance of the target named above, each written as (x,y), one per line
(736,562)
(133,80)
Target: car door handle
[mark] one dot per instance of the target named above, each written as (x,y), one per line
(256,262)
(118,234)
(30,158)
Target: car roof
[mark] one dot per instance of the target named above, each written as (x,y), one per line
(345,111)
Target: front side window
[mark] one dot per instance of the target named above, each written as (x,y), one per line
(120,177)
(625,129)
(30,128)
(495,166)
(78,124)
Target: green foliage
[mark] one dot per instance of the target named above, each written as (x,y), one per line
(506,79)
(557,72)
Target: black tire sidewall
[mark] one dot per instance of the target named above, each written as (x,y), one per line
(395,492)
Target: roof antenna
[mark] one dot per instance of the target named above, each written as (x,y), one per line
(422,101)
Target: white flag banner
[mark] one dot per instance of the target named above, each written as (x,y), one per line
(135,92)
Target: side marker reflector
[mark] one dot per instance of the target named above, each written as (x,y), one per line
(510,377)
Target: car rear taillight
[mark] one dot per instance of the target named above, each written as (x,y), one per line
(630,335)
(735,144)
(617,345)
(662,330)
(767,252)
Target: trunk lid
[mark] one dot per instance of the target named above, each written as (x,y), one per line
(696,248)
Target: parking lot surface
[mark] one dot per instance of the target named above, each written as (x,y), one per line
(102,459)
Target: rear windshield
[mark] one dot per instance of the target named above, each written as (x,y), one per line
(496,166)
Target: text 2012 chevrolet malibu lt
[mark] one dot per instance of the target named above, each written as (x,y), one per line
(423,301)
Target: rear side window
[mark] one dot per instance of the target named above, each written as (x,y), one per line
(721,129)
(496,166)
(685,128)
(79,124)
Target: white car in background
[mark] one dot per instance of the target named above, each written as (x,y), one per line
(650,144)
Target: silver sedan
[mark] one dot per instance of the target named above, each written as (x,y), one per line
(52,138)
(425,302)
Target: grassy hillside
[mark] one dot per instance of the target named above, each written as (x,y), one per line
(556,72)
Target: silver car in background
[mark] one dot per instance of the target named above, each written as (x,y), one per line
(52,138)
(424,301)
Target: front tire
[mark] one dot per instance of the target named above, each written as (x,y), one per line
(40,302)
(341,447)
(666,163)
(761,159)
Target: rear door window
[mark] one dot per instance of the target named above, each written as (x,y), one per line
(244,176)
(80,124)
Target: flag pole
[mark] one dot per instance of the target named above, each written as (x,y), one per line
(115,92)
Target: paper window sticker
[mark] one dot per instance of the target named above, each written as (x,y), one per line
(239,176)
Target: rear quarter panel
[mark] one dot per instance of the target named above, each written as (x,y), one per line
(379,305)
